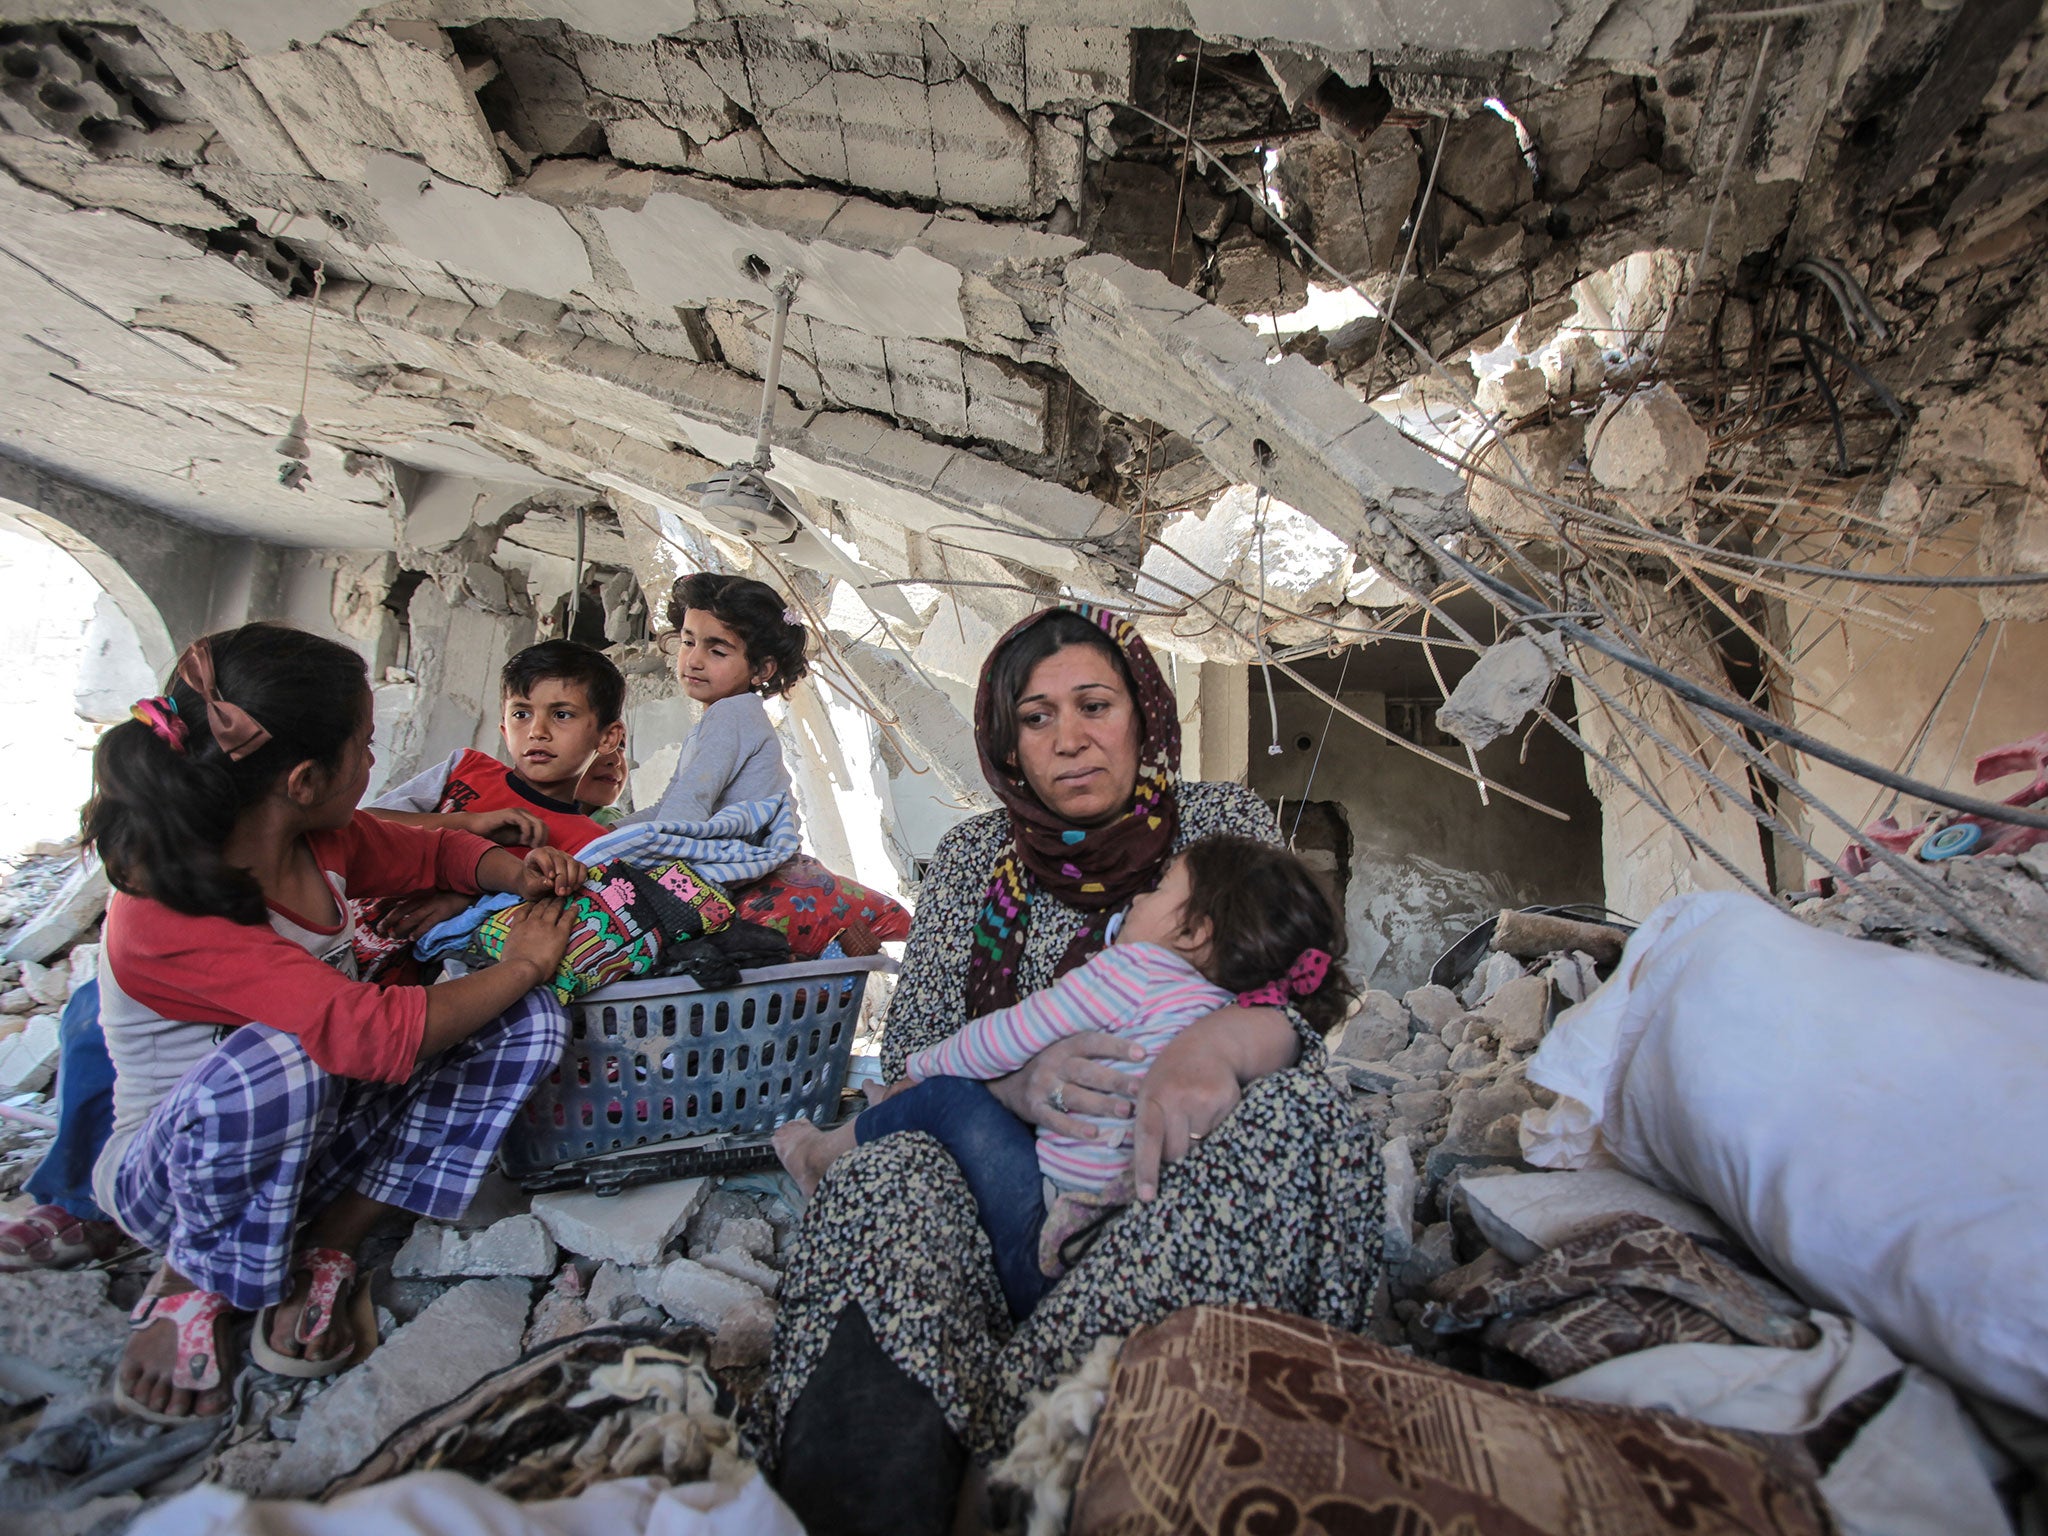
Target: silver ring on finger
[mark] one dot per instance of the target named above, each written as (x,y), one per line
(1059,1098)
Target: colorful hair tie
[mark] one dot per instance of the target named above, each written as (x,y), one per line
(235,731)
(1303,977)
(160,714)
(792,618)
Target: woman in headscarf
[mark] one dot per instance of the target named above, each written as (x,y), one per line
(896,1359)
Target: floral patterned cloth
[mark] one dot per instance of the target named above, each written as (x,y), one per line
(1278,1207)
(811,906)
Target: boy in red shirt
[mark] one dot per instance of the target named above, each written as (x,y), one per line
(561,713)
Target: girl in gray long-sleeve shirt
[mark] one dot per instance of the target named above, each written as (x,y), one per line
(734,644)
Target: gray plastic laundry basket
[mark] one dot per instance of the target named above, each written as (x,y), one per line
(658,1060)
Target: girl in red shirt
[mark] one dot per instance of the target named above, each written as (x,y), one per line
(269,1107)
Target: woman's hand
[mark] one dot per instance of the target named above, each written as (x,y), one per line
(550,872)
(410,916)
(510,828)
(1197,1080)
(538,935)
(1070,1078)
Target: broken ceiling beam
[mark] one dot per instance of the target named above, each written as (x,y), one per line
(1155,352)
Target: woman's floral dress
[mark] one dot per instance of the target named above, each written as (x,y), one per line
(1280,1206)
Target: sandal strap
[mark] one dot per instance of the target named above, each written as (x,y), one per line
(193,1314)
(328,1269)
(34,1228)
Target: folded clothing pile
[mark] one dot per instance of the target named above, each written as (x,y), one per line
(626,918)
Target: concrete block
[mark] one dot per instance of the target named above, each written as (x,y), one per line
(49,985)
(70,916)
(629,1228)
(1525,1214)
(518,1245)
(1496,973)
(695,1295)
(28,1060)
(743,1266)
(461,1338)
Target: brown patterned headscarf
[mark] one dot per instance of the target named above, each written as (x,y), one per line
(1093,869)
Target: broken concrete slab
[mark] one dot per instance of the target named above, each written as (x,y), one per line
(518,1245)
(630,1228)
(1525,1214)
(473,1330)
(742,1265)
(1496,695)
(28,1060)
(69,917)
(693,1294)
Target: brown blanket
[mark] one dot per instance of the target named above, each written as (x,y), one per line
(1628,1284)
(1240,1420)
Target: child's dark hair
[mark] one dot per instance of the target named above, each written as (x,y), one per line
(755,612)
(568,661)
(1265,908)
(161,814)
(1011,666)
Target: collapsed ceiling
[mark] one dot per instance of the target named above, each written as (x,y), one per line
(1272,322)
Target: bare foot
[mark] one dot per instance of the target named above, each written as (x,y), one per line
(337,1341)
(806,1152)
(151,1357)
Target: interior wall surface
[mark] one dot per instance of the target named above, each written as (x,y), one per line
(1428,860)
(1875,694)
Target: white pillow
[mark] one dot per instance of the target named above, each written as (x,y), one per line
(1872,1123)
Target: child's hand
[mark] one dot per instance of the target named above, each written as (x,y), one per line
(539,934)
(509,828)
(551,872)
(411,916)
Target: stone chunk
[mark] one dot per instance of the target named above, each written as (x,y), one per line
(68,917)
(1647,449)
(1507,681)
(61,1321)
(1519,1013)
(1398,1159)
(751,1235)
(518,1245)
(630,1228)
(473,1330)
(1496,973)
(1487,1121)
(1525,1214)
(1417,1111)
(1425,1056)
(28,1060)
(1377,1030)
(1433,1006)
(739,1319)
(1483,167)
(742,1265)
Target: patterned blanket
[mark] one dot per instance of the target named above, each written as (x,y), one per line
(1237,1419)
(1627,1284)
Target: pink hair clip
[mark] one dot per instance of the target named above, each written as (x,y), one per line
(792,618)
(1303,977)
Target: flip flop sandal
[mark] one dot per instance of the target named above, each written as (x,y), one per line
(329,1270)
(50,1237)
(196,1315)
